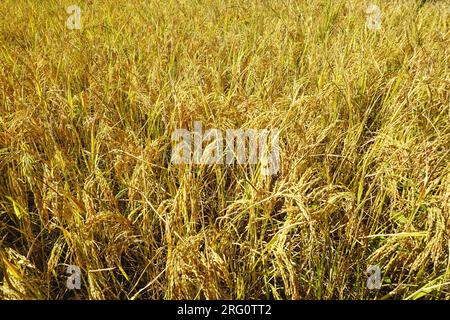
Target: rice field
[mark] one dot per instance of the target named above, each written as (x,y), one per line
(90,97)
